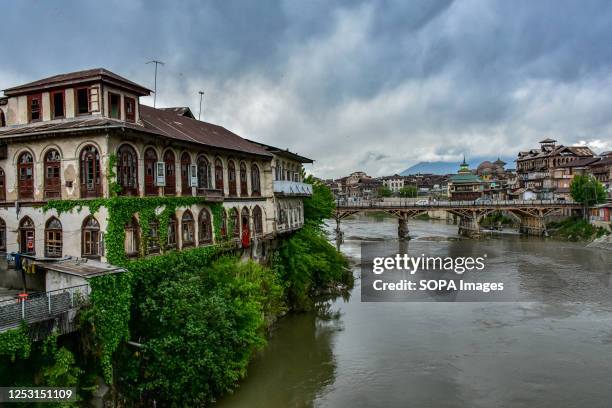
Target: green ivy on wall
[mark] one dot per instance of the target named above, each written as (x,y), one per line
(110,298)
(15,343)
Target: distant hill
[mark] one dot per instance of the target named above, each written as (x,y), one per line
(440,167)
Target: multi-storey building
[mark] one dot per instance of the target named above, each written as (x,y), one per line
(394,183)
(536,167)
(81,135)
(465,185)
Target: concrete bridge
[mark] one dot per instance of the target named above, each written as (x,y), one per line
(530,214)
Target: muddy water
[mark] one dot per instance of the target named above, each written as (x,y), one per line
(556,352)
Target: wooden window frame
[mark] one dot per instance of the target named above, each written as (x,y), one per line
(129,117)
(110,110)
(205,236)
(232,184)
(186,189)
(219,178)
(169,159)
(52,185)
(31,98)
(190,223)
(49,239)
(255,175)
(23,233)
(244,184)
(52,104)
(21,188)
(76,101)
(88,232)
(2,235)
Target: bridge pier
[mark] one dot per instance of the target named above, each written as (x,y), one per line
(469,226)
(533,226)
(402,228)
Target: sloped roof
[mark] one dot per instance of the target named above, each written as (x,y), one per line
(88,75)
(154,121)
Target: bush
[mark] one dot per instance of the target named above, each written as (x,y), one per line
(575,229)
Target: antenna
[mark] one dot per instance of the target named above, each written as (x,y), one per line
(156,62)
(201,96)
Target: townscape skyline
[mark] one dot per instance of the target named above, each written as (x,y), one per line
(373,86)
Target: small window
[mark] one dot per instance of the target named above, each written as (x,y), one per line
(114,101)
(132,243)
(53,238)
(153,239)
(187,230)
(82,95)
(35,107)
(130,109)
(58,107)
(172,232)
(90,238)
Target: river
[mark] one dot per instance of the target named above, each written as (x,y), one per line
(555,352)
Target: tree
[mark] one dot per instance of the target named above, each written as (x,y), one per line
(320,205)
(408,191)
(586,190)
(384,192)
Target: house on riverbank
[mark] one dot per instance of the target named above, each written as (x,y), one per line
(84,136)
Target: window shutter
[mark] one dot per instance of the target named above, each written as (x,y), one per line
(160,174)
(193,175)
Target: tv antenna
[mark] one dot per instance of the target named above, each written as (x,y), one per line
(156,62)
(201,96)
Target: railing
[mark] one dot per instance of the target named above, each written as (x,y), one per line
(292,188)
(454,204)
(42,306)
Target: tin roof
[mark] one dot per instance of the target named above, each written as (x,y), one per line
(154,121)
(285,153)
(72,78)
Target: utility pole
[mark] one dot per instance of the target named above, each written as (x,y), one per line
(201,96)
(156,62)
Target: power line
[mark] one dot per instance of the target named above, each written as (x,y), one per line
(156,62)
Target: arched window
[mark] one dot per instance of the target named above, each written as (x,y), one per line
(90,238)
(2,185)
(153,238)
(219,175)
(255,183)
(187,230)
(235,223)
(150,162)
(185,163)
(204,227)
(52,174)
(90,172)
(203,173)
(257,221)
(2,119)
(172,231)
(25,169)
(26,236)
(243,180)
(2,235)
(53,238)
(132,235)
(170,188)
(127,170)
(246,229)
(223,224)
(231,177)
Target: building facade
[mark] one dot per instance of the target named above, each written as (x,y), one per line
(85,135)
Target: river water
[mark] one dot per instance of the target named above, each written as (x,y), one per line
(554,352)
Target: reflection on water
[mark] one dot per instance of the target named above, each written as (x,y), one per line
(552,353)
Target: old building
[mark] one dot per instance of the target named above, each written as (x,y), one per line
(465,185)
(394,183)
(85,135)
(536,167)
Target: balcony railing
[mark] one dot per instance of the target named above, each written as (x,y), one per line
(292,188)
(43,306)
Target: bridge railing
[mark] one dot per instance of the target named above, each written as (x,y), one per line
(448,203)
(42,306)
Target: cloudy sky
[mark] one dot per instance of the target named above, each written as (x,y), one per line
(356,85)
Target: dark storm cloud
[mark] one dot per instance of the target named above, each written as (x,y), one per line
(377,85)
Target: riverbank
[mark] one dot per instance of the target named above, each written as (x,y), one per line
(351,353)
(575,229)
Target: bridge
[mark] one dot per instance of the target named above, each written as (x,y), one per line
(530,214)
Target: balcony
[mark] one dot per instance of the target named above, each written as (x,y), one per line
(210,194)
(292,188)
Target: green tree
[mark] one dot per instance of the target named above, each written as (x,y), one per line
(320,205)
(408,191)
(586,190)
(384,191)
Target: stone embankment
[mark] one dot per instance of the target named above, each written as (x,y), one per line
(604,242)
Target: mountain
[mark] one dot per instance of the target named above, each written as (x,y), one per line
(440,167)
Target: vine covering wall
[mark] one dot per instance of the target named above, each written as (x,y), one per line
(111,295)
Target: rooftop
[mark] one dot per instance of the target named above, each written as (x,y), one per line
(78,77)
